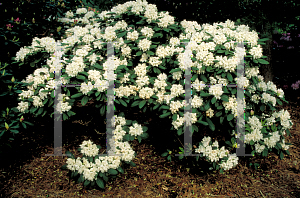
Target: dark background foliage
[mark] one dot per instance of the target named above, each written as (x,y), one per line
(263,16)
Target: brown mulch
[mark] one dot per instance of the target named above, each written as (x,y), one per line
(27,172)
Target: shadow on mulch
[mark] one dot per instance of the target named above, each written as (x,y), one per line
(27,172)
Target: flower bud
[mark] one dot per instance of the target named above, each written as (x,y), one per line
(17,9)
(252,112)
(59,28)
(6,126)
(21,119)
(3,72)
(33,20)
(12,79)
(12,18)
(63,5)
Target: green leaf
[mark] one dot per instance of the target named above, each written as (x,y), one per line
(203,78)
(262,107)
(112,171)
(169,157)
(132,164)
(76,95)
(165,115)
(174,117)
(40,111)
(164,107)
(218,114)
(202,122)
(204,94)
(207,106)
(24,125)
(139,53)
(120,169)
(97,93)
(102,110)
(229,76)
(281,155)
(150,52)
(265,153)
(135,103)
(228,143)
(71,155)
(100,183)
(179,132)
(213,100)
(230,117)
(65,117)
(195,128)
(142,103)
(81,77)
(164,154)
(123,102)
(105,177)
(211,125)
(225,98)
(262,61)
(84,100)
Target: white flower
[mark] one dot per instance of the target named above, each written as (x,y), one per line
(69,14)
(154,61)
(132,35)
(148,32)
(144,45)
(23,106)
(210,112)
(81,11)
(135,130)
(216,90)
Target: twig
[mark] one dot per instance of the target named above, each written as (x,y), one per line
(262,194)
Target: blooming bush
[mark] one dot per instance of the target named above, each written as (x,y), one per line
(149,62)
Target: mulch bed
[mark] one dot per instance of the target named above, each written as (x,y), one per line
(27,172)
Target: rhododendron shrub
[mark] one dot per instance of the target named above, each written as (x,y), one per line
(149,66)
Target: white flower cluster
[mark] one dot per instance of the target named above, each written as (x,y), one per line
(243,82)
(81,11)
(154,61)
(190,118)
(268,98)
(177,75)
(216,90)
(256,134)
(132,35)
(214,155)
(166,20)
(62,106)
(177,90)
(126,51)
(256,127)
(147,32)
(119,151)
(89,149)
(77,65)
(210,113)
(144,44)
(135,130)
(69,14)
